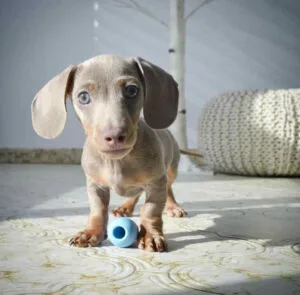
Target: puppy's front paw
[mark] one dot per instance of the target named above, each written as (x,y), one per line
(175,210)
(152,242)
(122,212)
(87,238)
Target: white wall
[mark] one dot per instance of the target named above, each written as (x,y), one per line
(231,44)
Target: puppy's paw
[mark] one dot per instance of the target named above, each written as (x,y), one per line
(86,238)
(175,211)
(122,212)
(152,242)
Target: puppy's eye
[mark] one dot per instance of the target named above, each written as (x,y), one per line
(131,91)
(84,97)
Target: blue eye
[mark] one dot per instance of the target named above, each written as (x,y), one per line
(131,91)
(84,97)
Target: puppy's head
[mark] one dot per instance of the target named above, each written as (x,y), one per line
(108,94)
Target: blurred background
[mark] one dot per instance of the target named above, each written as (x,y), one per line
(230,45)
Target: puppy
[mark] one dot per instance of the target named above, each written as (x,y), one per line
(122,152)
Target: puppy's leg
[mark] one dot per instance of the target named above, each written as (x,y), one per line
(127,208)
(172,208)
(151,236)
(96,229)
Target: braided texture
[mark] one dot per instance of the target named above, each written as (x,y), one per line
(252,133)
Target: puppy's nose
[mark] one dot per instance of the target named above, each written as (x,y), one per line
(115,137)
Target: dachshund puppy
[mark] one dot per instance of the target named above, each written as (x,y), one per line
(123,152)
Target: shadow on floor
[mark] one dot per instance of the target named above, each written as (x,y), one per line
(284,285)
(276,220)
(273,220)
(24,186)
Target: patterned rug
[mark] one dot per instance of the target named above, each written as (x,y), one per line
(240,237)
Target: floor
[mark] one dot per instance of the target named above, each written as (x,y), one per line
(240,237)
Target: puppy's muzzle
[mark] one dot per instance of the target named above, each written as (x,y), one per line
(115,138)
(114,141)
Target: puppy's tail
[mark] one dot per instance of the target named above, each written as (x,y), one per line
(191,153)
(196,158)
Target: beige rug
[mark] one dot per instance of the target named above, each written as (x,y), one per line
(237,239)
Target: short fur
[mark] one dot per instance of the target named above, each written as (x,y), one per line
(122,152)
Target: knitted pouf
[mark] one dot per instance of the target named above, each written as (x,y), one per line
(252,133)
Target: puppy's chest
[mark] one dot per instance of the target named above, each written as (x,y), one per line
(122,180)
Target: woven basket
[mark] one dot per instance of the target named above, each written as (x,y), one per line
(252,133)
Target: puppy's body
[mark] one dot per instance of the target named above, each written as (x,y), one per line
(122,153)
(129,176)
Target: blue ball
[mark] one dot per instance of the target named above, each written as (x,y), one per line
(122,232)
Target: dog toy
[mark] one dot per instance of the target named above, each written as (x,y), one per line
(122,232)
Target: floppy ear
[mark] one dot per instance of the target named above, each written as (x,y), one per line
(161,95)
(48,108)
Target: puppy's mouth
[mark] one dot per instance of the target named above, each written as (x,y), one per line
(116,151)
(116,154)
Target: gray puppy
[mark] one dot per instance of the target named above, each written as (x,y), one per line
(122,152)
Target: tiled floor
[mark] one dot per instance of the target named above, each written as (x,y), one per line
(237,238)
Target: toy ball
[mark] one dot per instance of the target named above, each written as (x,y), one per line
(122,232)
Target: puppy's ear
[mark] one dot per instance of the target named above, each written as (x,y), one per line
(48,108)
(161,95)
